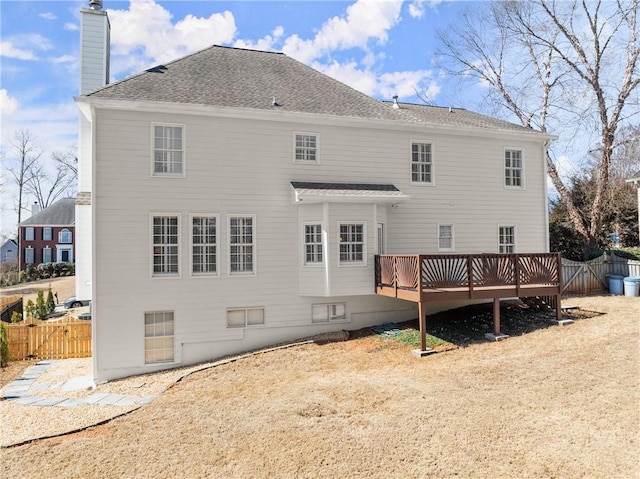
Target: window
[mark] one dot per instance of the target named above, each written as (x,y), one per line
(421,163)
(204,249)
(445,238)
(322,313)
(29,256)
(64,236)
(158,337)
(29,234)
(165,245)
(241,244)
(513,168)
(312,244)
(168,150)
(243,317)
(507,239)
(306,148)
(47,234)
(46,255)
(351,243)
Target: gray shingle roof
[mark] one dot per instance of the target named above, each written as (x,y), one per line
(235,77)
(241,78)
(458,117)
(367,192)
(60,213)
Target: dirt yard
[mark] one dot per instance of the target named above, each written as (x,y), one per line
(65,287)
(554,402)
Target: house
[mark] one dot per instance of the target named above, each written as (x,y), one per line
(253,194)
(9,253)
(48,235)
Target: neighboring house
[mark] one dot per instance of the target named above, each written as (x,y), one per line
(9,253)
(48,235)
(234,199)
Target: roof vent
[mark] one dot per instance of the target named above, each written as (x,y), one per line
(95,4)
(274,102)
(450,110)
(395,102)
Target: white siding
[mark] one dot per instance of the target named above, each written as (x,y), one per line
(245,167)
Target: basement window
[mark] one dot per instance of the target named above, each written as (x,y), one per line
(324,313)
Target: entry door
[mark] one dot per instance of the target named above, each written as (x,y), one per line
(381,245)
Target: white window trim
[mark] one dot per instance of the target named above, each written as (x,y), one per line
(191,245)
(329,307)
(453,237)
(246,310)
(50,230)
(304,244)
(522,171)
(26,258)
(433,163)
(351,264)
(165,275)
(47,248)
(306,162)
(32,230)
(60,248)
(184,151)
(68,232)
(254,243)
(515,236)
(176,359)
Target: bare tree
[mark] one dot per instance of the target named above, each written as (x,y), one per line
(68,160)
(37,179)
(45,186)
(28,154)
(566,67)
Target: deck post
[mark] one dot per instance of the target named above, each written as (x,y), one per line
(496,335)
(423,326)
(422,321)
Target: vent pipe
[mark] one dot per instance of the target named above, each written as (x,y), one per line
(395,102)
(95,4)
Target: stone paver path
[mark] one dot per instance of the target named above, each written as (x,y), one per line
(24,390)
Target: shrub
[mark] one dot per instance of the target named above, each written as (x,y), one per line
(4,345)
(16,317)
(30,273)
(41,306)
(30,308)
(51,304)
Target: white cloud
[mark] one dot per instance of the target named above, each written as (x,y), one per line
(267,43)
(404,84)
(47,16)
(8,105)
(64,59)
(71,27)
(29,44)
(145,34)
(418,7)
(363,21)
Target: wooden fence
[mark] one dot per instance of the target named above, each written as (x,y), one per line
(63,339)
(591,277)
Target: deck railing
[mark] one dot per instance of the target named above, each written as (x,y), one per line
(456,276)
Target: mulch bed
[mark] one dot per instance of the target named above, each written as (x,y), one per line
(468,325)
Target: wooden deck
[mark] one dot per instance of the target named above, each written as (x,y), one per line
(450,277)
